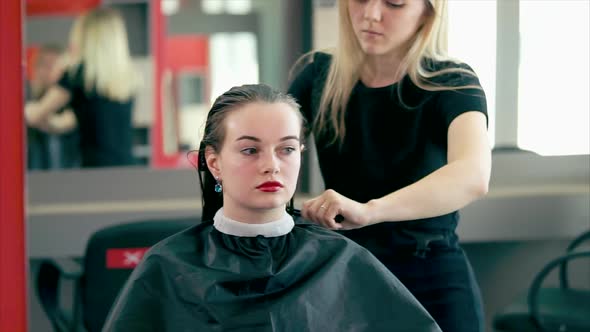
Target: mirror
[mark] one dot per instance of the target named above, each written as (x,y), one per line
(186,53)
(48,29)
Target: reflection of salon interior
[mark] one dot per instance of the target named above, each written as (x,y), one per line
(190,51)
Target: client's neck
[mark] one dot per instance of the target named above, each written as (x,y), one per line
(253,216)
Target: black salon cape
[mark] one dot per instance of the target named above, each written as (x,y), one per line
(310,279)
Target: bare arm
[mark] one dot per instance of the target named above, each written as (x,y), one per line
(38,113)
(464,179)
(461,181)
(60,123)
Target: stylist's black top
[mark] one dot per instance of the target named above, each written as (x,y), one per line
(105,125)
(388,144)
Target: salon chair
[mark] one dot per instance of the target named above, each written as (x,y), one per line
(110,256)
(564,308)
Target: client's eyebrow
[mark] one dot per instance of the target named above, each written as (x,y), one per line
(286,138)
(256,139)
(250,138)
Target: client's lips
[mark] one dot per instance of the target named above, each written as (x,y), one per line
(270,186)
(372,33)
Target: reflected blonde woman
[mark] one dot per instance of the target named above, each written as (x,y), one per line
(99,83)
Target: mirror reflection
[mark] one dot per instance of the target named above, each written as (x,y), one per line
(90,92)
(113,83)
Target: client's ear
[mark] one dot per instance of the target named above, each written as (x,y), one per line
(213,162)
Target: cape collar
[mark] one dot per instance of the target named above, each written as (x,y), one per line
(275,228)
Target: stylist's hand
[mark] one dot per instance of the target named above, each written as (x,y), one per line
(323,210)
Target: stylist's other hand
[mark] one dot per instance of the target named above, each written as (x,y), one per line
(324,208)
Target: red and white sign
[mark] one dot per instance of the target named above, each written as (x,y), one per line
(124,258)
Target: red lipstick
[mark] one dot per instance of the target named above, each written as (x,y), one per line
(372,33)
(270,186)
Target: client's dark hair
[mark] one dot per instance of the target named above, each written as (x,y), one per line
(214,134)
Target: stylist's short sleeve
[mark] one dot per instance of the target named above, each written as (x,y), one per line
(452,103)
(71,79)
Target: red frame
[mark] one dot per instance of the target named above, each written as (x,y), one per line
(158,158)
(13,258)
(173,54)
(59,7)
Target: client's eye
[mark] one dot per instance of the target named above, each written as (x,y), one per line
(249,151)
(288,149)
(393,4)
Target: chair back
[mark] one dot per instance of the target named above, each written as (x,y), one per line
(545,308)
(111,255)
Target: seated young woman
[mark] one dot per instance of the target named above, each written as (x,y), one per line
(248,266)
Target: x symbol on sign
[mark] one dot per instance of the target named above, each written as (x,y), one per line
(132,257)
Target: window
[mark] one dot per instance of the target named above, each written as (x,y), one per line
(553,116)
(234,60)
(234,7)
(472,39)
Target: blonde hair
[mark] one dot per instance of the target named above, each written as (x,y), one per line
(100,41)
(430,42)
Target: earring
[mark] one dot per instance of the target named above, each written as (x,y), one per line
(218,186)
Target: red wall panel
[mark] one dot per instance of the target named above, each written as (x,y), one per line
(187,52)
(13,263)
(59,7)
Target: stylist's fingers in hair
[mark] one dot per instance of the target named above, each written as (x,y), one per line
(309,209)
(330,211)
(323,209)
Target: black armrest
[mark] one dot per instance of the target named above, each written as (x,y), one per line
(563,281)
(47,284)
(540,277)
